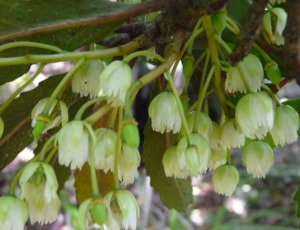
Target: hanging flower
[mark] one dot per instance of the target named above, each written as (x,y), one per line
(164,113)
(286,125)
(39,189)
(122,210)
(258,157)
(246,76)
(217,157)
(13,213)
(201,124)
(254,114)
(231,134)
(73,144)
(115,80)
(129,161)
(105,149)
(170,163)
(194,158)
(225,179)
(274,22)
(86,80)
(58,113)
(215,140)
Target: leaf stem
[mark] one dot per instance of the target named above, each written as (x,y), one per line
(30,44)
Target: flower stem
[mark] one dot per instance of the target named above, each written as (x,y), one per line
(131,56)
(118,149)
(30,44)
(85,106)
(180,109)
(94,181)
(272,95)
(19,90)
(99,113)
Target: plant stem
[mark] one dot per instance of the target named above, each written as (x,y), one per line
(272,95)
(131,56)
(85,106)
(30,44)
(19,90)
(99,113)
(118,149)
(93,173)
(75,56)
(180,109)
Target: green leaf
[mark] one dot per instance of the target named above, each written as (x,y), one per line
(238,10)
(68,25)
(174,193)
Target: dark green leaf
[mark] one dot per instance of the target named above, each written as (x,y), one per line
(68,25)
(174,193)
(238,10)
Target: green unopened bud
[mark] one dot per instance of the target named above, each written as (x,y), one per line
(184,101)
(98,213)
(130,133)
(40,126)
(187,65)
(219,21)
(1,127)
(273,72)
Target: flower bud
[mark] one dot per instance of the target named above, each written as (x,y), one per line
(258,157)
(187,65)
(98,213)
(219,21)
(164,113)
(286,125)
(225,179)
(86,80)
(130,133)
(254,114)
(115,80)
(217,157)
(273,72)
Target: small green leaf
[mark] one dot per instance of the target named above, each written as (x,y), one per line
(174,193)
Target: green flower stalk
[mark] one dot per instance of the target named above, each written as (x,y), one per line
(258,157)
(13,213)
(1,127)
(225,179)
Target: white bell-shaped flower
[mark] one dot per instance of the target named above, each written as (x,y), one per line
(105,149)
(254,114)
(231,134)
(39,189)
(13,213)
(217,157)
(246,76)
(115,80)
(225,179)
(286,125)
(86,80)
(164,113)
(73,144)
(258,157)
